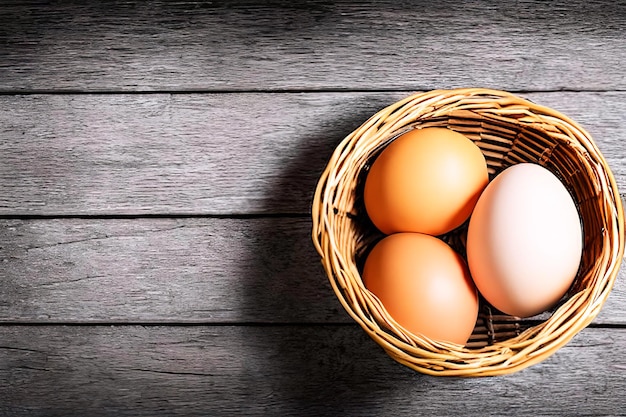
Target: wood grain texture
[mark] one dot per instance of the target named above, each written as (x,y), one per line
(163,270)
(283,371)
(207,153)
(157,163)
(254,45)
(175,271)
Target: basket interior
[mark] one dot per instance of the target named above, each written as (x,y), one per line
(504,142)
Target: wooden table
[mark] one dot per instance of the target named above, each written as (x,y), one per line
(157,163)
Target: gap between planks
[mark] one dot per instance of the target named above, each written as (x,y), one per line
(182,216)
(284,91)
(166,323)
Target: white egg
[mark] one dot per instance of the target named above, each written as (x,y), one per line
(524,242)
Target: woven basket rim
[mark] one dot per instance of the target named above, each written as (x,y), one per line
(416,351)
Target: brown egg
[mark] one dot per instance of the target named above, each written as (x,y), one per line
(424,285)
(427,181)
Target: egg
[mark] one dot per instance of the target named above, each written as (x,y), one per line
(424,285)
(426,180)
(524,241)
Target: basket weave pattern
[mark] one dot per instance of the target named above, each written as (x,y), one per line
(508,130)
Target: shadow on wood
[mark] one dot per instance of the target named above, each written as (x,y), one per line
(318,382)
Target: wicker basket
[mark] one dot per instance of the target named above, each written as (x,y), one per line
(508,130)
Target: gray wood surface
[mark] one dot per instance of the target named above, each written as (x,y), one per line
(283,371)
(157,163)
(261,270)
(163,270)
(184,45)
(206,153)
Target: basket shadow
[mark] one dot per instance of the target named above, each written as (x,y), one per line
(320,360)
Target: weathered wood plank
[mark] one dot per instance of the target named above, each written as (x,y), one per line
(283,371)
(206,153)
(190,45)
(163,270)
(175,270)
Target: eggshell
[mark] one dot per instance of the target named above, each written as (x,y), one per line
(427,180)
(524,242)
(424,285)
